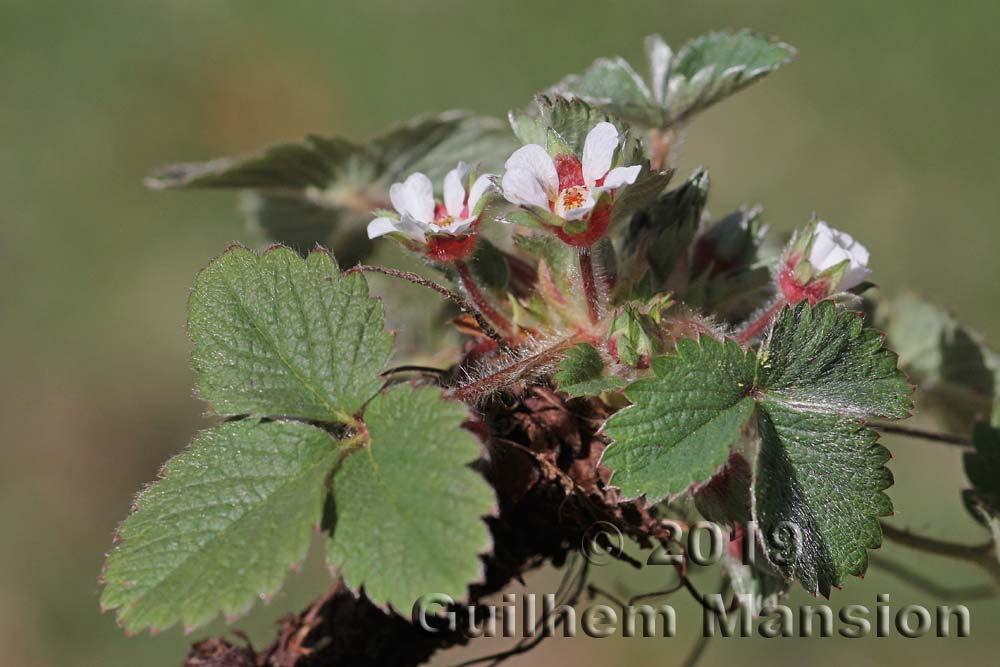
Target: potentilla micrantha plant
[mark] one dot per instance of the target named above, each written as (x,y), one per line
(603,351)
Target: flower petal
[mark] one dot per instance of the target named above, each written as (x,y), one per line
(458,227)
(479,188)
(523,188)
(598,151)
(581,211)
(414,197)
(621,176)
(454,189)
(536,161)
(381,226)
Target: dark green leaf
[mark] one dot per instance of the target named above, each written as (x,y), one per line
(818,493)
(821,360)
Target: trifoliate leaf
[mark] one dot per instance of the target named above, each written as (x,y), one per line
(222,527)
(821,360)
(683,420)
(703,72)
(581,373)
(278,335)
(982,467)
(407,508)
(660,236)
(952,363)
(335,182)
(819,475)
(818,493)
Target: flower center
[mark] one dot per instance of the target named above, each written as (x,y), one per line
(573,197)
(441,217)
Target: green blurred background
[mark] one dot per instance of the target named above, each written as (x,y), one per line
(885,126)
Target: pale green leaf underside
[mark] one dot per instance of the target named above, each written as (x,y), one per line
(407,508)
(683,421)
(581,373)
(276,335)
(824,474)
(704,71)
(221,529)
(949,360)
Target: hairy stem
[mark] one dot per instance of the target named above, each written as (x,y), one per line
(663,141)
(589,285)
(479,299)
(456,299)
(517,370)
(943,438)
(758,325)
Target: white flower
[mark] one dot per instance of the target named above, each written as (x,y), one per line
(532,179)
(419,214)
(831,247)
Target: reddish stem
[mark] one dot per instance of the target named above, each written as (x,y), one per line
(589,284)
(758,325)
(479,299)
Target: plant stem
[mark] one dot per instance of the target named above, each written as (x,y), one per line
(978,554)
(663,141)
(479,299)
(944,438)
(456,299)
(589,285)
(760,323)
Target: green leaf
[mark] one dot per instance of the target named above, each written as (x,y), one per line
(818,468)
(982,467)
(683,420)
(820,360)
(321,190)
(407,507)
(952,363)
(613,85)
(818,493)
(703,72)
(581,373)
(660,236)
(222,527)
(277,335)
(714,66)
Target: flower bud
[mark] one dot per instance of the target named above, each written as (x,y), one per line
(821,262)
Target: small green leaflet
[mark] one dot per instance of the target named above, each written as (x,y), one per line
(816,377)
(407,508)
(818,493)
(581,373)
(683,421)
(819,360)
(321,190)
(278,335)
(704,71)
(222,527)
